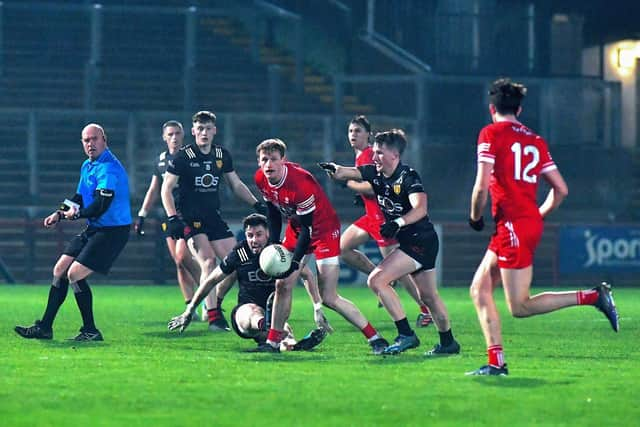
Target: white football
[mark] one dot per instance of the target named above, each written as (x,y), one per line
(275,260)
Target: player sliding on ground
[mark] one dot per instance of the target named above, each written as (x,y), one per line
(403,201)
(250,318)
(511,158)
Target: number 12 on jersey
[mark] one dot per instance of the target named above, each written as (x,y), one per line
(531,156)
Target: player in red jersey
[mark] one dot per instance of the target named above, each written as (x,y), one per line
(313,227)
(368,225)
(511,158)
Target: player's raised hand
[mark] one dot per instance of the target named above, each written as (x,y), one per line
(321,320)
(328,167)
(180,322)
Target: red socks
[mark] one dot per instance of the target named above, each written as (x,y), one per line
(275,336)
(213,314)
(587,297)
(369,331)
(496,356)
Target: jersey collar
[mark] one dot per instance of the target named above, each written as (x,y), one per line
(281,182)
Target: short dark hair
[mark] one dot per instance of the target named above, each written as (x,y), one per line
(171,123)
(506,95)
(272,144)
(362,121)
(254,220)
(204,117)
(393,138)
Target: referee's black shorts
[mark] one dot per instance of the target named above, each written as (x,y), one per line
(98,248)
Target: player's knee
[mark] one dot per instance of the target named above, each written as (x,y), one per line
(329,301)
(376,280)
(518,309)
(208,265)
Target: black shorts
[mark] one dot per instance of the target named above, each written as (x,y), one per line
(212,225)
(422,247)
(98,248)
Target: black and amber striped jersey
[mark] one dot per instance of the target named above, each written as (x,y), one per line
(200,175)
(254,285)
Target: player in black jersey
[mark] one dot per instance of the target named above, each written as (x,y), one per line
(403,201)
(187,269)
(248,317)
(199,168)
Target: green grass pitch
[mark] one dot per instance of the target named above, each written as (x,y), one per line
(568,368)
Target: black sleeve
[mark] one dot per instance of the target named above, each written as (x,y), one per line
(227,161)
(77,198)
(274,219)
(176,164)
(100,204)
(368,172)
(304,238)
(412,183)
(230,262)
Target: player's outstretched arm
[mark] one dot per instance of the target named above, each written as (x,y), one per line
(341,173)
(182,321)
(225,284)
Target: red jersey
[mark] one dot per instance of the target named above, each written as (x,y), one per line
(298,193)
(371,207)
(519,157)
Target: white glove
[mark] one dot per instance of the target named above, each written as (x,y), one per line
(181,321)
(320,319)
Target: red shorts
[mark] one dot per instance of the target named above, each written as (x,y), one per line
(515,242)
(372,227)
(325,246)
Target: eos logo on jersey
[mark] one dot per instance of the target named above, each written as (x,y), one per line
(259,276)
(388,206)
(207,180)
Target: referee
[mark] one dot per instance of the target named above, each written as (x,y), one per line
(102,198)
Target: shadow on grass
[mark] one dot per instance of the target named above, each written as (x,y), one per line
(286,357)
(75,345)
(170,335)
(515,382)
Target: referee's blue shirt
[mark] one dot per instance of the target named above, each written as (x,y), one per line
(106,173)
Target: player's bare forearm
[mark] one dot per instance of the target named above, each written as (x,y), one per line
(344,173)
(361,187)
(205,287)
(150,197)
(478,202)
(240,189)
(225,284)
(418,208)
(166,193)
(480,191)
